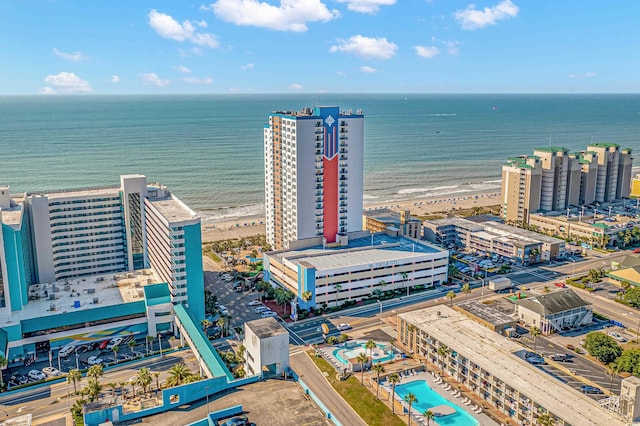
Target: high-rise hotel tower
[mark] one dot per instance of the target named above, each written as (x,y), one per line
(313,176)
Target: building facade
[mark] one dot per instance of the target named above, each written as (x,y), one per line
(357,269)
(100,248)
(266,345)
(493,367)
(397,223)
(313,175)
(554,178)
(554,312)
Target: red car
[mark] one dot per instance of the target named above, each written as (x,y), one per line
(636,250)
(104,344)
(563,285)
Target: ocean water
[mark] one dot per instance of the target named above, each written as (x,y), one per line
(208,149)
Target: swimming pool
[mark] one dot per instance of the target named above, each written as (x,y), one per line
(428,398)
(380,354)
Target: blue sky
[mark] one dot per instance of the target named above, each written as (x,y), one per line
(316,46)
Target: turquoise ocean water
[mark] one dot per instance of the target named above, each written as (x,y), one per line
(208,149)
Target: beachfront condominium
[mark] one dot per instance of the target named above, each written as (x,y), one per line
(553,179)
(92,242)
(313,175)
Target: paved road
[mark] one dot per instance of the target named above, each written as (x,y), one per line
(310,374)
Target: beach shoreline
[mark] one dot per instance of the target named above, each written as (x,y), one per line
(243,226)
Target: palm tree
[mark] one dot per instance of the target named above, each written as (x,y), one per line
(131,344)
(362,360)
(143,378)
(410,399)
(115,350)
(370,345)
(178,375)
(288,297)
(74,376)
(612,370)
(393,379)
(378,368)
(205,323)
(77,411)
(451,295)
(428,415)
(466,289)
(3,363)
(113,386)
(220,323)
(95,371)
(93,389)
(443,352)
(545,419)
(338,288)
(150,340)
(535,332)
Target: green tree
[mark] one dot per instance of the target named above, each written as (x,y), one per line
(338,288)
(378,369)
(178,375)
(443,352)
(143,378)
(3,363)
(629,361)
(95,371)
(603,347)
(428,415)
(157,377)
(394,379)
(466,289)
(115,350)
(410,399)
(74,376)
(131,343)
(362,360)
(545,419)
(93,389)
(288,297)
(370,346)
(149,341)
(77,411)
(451,295)
(632,297)
(220,323)
(535,332)
(210,301)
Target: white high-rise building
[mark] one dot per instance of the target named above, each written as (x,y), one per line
(313,175)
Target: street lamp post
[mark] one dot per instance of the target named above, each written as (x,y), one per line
(160,343)
(206,388)
(573,270)
(380,303)
(59,368)
(482,292)
(77,362)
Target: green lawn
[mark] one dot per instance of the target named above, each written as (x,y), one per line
(372,411)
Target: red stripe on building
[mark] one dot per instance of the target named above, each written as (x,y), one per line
(330,198)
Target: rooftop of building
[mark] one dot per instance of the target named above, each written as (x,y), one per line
(552,149)
(13,214)
(79,192)
(173,210)
(497,354)
(312,112)
(603,145)
(378,248)
(86,293)
(266,327)
(387,216)
(615,223)
(554,303)
(630,274)
(492,225)
(455,221)
(486,313)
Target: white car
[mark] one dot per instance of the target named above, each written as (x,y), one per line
(36,375)
(116,341)
(616,336)
(223,310)
(266,314)
(261,309)
(94,360)
(51,371)
(254,303)
(344,326)
(65,351)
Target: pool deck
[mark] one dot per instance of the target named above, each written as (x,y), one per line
(445,390)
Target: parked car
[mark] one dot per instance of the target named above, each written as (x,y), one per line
(94,360)
(237,421)
(116,341)
(636,250)
(36,375)
(536,360)
(254,303)
(223,310)
(51,371)
(590,389)
(18,379)
(561,285)
(65,351)
(103,344)
(344,326)
(560,357)
(261,309)
(266,314)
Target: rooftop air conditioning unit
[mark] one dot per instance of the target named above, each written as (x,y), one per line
(91,290)
(52,296)
(52,307)
(96,300)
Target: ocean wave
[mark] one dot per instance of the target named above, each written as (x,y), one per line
(444,114)
(229,213)
(442,191)
(369,197)
(409,191)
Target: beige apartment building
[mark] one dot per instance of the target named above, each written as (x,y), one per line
(553,179)
(396,223)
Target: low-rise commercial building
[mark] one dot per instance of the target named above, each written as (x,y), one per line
(266,344)
(399,224)
(492,237)
(493,367)
(356,268)
(555,311)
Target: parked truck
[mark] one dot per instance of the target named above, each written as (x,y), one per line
(498,284)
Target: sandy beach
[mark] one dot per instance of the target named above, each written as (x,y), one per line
(252,225)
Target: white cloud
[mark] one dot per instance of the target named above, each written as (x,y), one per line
(427,51)
(196,80)
(47,91)
(295,86)
(115,79)
(73,57)
(290,15)
(473,19)
(367,69)
(452,47)
(66,82)
(367,6)
(246,66)
(168,27)
(153,79)
(589,74)
(183,69)
(366,47)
